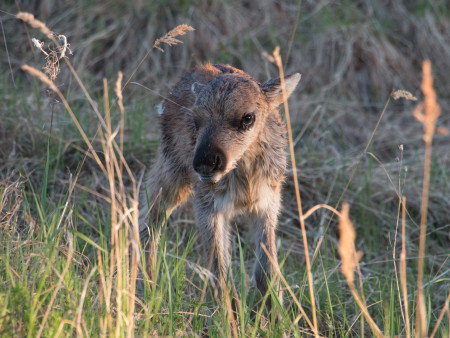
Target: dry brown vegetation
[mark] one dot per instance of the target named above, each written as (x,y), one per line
(351,55)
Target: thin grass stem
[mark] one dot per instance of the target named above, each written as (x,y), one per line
(278,61)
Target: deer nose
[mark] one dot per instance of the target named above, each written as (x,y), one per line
(207,163)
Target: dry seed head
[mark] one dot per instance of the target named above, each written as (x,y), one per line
(39,44)
(349,256)
(51,67)
(403,94)
(118,90)
(430,105)
(29,18)
(65,47)
(170,37)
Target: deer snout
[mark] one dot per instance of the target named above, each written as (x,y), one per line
(209,162)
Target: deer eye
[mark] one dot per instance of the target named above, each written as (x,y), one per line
(247,120)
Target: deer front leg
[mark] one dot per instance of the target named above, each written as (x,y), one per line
(213,221)
(165,189)
(213,214)
(265,268)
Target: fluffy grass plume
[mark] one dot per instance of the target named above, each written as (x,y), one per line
(33,22)
(350,261)
(170,37)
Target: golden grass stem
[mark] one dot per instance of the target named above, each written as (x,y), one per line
(394,249)
(441,315)
(82,297)
(35,23)
(123,268)
(122,114)
(429,119)
(107,320)
(403,270)
(320,206)
(134,242)
(375,329)
(277,57)
(350,260)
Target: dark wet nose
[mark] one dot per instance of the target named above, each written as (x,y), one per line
(209,160)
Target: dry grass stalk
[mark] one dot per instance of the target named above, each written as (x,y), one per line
(317,207)
(78,320)
(446,308)
(10,201)
(124,210)
(52,66)
(133,228)
(350,258)
(394,250)
(39,45)
(403,269)
(105,322)
(29,18)
(118,91)
(428,119)
(397,94)
(53,56)
(277,58)
(170,37)
(432,108)
(124,229)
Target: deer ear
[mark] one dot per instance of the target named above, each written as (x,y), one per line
(273,91)
(196,88)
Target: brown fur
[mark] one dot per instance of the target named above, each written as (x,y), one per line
(223,142)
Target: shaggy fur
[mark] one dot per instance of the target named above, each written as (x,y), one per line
(223,142)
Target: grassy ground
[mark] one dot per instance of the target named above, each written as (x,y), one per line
(64,267)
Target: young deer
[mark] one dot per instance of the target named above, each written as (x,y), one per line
(224,143)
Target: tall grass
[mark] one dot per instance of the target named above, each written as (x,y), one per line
(58,281)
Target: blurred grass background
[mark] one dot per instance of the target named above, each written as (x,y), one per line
(351,55)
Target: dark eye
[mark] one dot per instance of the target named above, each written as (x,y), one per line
(248,120)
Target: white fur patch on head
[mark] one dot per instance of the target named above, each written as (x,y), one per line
(196,88)
(159,109)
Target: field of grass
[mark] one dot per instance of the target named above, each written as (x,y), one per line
(76,139)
